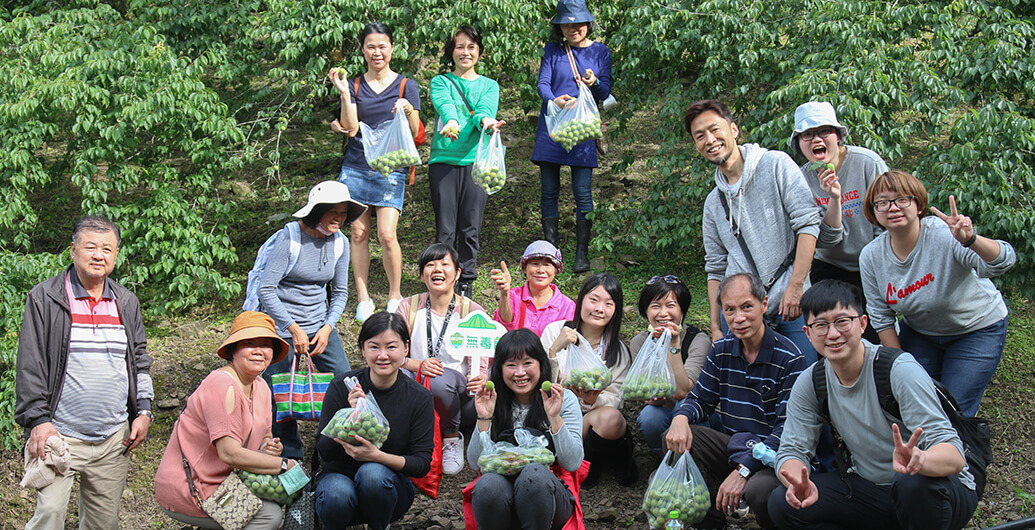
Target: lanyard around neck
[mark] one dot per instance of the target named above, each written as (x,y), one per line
(434,351)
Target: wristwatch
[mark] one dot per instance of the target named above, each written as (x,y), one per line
(673,351)
(283,465)
(743,470)
(150,415)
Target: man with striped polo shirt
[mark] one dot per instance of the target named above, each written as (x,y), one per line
(747,379)
(82,376)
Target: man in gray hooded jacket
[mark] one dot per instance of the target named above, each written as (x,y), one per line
(759,219)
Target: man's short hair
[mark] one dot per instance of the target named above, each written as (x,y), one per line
(757,287)
(828,294)
(704,105)
(95,223)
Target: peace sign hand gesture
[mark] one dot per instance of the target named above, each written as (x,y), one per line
(801,491)
(960,225)
(908,458)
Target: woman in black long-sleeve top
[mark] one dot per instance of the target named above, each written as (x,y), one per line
(362,483)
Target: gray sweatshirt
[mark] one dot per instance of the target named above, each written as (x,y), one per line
(300,295)
(771,207)
(856,415)
(567,443)
(941,288)
(841,246)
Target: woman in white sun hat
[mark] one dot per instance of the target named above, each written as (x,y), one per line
(839,192)
(293,289)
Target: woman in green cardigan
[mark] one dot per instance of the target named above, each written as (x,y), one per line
(466,103)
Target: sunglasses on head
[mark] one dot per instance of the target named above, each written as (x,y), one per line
(668,278)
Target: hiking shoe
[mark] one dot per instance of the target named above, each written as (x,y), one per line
(393,305)
(364,310)
(452,455)
(464,288)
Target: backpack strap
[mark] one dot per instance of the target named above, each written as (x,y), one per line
(339,245)
(355,84)
(294,232)
(465,306)
(819,384)
(882,364)
(414,302)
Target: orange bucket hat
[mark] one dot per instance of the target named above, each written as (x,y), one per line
(251,325)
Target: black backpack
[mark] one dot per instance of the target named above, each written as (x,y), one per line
(973,431)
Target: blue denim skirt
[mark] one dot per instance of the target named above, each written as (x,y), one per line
(374,189)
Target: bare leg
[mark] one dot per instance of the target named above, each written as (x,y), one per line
(359,249)
(608,422)
(391,253)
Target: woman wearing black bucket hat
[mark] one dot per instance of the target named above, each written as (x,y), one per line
(558,82)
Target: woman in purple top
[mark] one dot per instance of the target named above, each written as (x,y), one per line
(539,302)
(374,98)
(557,82)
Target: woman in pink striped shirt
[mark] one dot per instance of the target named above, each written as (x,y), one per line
(539,301)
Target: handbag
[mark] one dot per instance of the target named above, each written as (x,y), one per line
(299,395)
(232,505)
(301,514)
(429,483)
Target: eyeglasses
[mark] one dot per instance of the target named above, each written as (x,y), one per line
(884,205)
(824,132)
(822,327)
(669,278)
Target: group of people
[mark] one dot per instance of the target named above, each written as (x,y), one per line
(465,103)
(838,260)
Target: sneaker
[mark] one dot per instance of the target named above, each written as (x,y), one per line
(393,305)
(464,288)
(452,455)
(364,310)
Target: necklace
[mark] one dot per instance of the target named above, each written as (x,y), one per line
(433,351)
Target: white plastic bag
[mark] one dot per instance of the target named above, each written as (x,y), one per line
(365,420)
(390,146)
(508,459)
(650,375)
(676,485)
(576,122)
(490,170)
(583,368)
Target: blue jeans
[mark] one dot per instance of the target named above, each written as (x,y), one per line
(375,496)
(581,189)
(331,360)
(963,363)
(654,420)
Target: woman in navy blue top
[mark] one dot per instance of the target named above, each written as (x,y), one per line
(557,82)
(374,99)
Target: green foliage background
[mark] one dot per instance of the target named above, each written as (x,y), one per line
(144,109)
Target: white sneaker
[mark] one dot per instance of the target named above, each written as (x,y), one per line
(452,455)
(393,305)
(364,310)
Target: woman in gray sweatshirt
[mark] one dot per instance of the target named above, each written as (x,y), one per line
(838,176)
(933,271)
